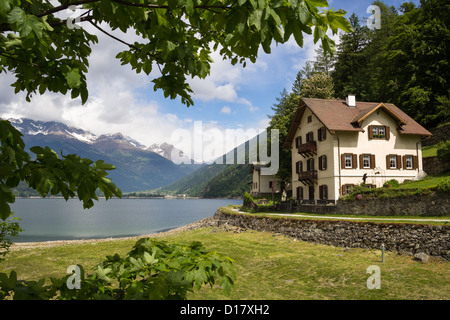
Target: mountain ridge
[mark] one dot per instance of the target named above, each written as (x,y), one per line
(137,168)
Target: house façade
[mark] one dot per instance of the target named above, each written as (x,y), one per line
(338,144)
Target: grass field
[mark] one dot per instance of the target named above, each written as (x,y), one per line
(268,267)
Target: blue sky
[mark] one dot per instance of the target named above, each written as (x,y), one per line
(231,97)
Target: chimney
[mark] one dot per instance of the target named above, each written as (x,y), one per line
(351,100)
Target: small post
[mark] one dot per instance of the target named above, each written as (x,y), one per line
(382,252)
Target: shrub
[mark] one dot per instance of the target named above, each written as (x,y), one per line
(444,185)
(248,200)
(391,183)
(443,150)
(8,228)
(153,269)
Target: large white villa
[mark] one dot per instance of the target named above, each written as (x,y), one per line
(337,144)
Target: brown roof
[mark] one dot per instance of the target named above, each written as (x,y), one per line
(336,115)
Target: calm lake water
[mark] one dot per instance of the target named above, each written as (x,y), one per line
(56,219)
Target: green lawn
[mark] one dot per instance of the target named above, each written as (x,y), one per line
(429,151)
(269,267)
(427,182)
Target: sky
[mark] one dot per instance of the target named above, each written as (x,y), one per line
(230,98)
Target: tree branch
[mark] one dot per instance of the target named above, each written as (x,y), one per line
(114,37)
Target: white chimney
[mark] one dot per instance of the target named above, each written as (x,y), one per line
(351,100)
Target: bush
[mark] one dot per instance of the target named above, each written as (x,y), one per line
(391,183)
(153,269)
(8,228)
(443,150)
(248,200)
(444,186)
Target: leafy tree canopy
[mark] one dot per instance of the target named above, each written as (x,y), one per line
(47,52)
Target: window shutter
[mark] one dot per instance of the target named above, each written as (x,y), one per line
(319,136)
(354,161)
(361,161)
(300,166)
(399,162)
(370,132)
(342,161)
(324,165)
(404,162)
(415,162)
(374,186)
(320,192)
(297,167)
(320,163)
(324,133)
(388,132)
(388,163)
(372,161)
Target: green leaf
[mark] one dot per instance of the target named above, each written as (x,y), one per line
(73,78)
(4,8)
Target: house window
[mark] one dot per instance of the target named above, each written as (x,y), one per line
(310,164)
(299,167)
(410,162)
(323,192)
(348,161)
(393,161)
(322,134)
(323,162)
(299,193)
(270,184)
(309,119)
(298,141)
(347,188)
(309,136)
(379,132)
(366,161)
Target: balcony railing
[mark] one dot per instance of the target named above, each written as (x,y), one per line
(307,149)
(307,177)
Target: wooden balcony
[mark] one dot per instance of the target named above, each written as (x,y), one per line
(307,149)
(307,177)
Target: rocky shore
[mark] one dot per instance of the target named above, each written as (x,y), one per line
(207,222)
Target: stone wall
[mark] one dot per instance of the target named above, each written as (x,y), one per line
(402,238)
(433,166)
(435,204)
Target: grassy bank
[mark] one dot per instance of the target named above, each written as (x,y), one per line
(269,267)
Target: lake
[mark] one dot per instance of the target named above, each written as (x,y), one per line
(57,219)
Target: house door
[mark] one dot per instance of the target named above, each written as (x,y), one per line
(311,193)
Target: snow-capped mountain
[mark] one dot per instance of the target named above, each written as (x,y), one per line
(34,127)
(138,168)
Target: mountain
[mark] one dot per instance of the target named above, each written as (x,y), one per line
(164,149)
(215,180)
(137,168)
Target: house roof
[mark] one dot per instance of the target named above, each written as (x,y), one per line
(336,115)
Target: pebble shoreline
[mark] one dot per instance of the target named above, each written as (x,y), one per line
(207,222)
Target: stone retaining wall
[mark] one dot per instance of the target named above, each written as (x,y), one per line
(435,204)
(402,238)
(434,166)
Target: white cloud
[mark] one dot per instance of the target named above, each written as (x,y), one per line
(226,110)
